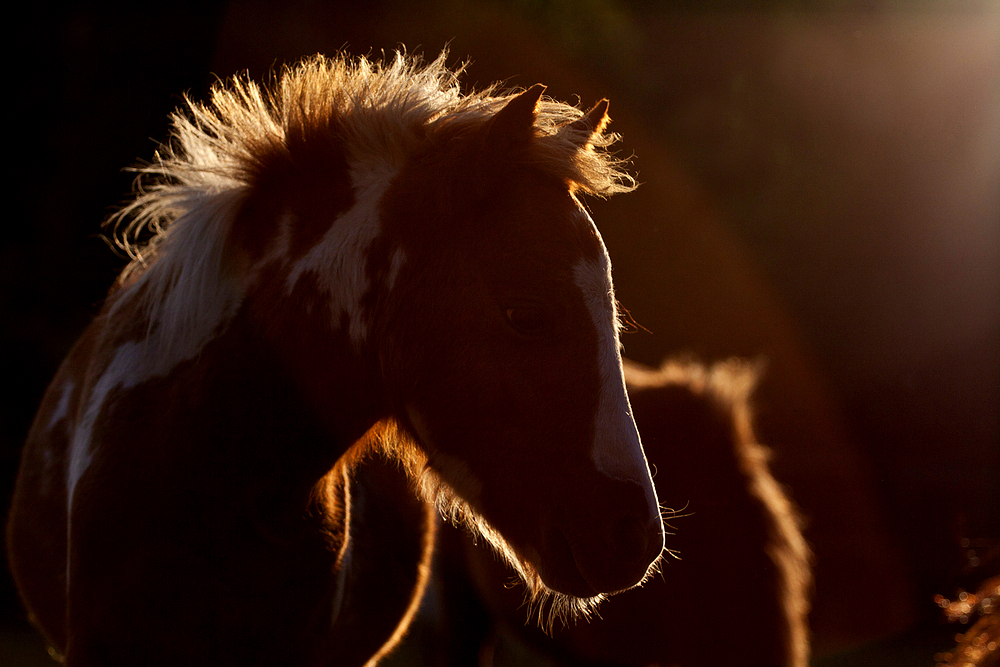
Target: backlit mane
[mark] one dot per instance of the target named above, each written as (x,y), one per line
(372,114)
(218,150)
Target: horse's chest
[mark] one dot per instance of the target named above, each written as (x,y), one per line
(192,518)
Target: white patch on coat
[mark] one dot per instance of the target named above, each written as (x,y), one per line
(132,364)
(616,450)
(126,366)
(62,408)
(398,259)
(339,259)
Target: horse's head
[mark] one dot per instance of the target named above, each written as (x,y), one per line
(500,346)
(468,291)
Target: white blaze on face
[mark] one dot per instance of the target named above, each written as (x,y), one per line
(616,450)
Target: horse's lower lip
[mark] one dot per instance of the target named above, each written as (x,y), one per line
(566,577)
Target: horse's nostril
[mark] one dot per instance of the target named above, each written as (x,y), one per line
(641,539)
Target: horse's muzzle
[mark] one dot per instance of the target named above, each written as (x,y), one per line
(608,549)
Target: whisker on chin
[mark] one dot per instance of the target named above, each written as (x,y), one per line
(544,605)
(667,513)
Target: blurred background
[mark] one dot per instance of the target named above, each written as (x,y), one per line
(820,190)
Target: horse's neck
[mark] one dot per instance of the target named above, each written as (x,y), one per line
(241,418)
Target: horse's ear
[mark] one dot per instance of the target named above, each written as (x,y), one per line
(581,131)
(515,123)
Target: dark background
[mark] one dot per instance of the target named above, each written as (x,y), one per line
(820,189)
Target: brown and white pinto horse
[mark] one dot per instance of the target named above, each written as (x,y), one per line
(738,592)
(360,248)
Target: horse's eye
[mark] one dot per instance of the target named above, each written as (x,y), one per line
(527,319)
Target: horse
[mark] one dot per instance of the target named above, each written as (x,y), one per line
(736,591)
(354,250)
